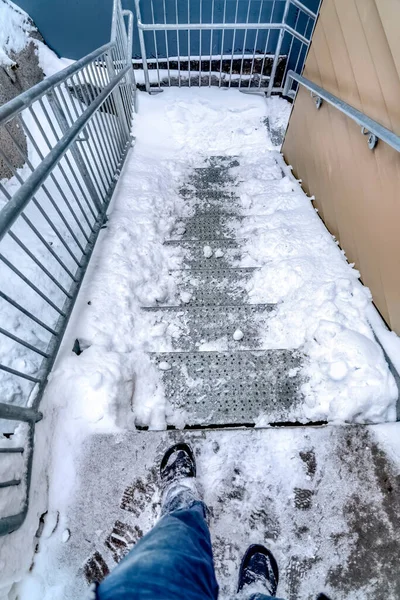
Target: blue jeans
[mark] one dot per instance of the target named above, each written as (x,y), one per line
(174,561)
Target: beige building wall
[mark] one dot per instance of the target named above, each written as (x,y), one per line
(355,54)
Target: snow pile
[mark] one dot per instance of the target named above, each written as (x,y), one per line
(15,27)
(322,306)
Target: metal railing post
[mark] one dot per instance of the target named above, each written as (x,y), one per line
(278,49)
(63,123)
(116,94)
(142,46)
(129,14)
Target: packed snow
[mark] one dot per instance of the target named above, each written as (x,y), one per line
(321,306)
(15,27)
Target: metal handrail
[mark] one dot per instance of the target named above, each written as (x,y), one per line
(369,127)
(77,126)
(22,197)
(25,99)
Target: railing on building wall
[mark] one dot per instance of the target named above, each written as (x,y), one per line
(195,43)
(63,145)
(373,130)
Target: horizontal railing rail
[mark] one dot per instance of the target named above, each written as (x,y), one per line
(369,127)
(218,47)
(63,144)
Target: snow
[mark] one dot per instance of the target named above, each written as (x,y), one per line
(321,306)
(207,251)
(238,335)
(15,27)
(49,61)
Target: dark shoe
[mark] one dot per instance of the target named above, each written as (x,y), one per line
(259,566)
(178,463)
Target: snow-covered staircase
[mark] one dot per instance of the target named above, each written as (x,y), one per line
(240,382)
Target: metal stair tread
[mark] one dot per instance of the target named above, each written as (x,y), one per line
(209,225)
(219,388)
(194,327)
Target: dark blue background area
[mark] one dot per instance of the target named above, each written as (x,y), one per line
(73,28)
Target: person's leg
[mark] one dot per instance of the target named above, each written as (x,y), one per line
(174,560)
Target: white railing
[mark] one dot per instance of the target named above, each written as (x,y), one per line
(68,138)
(250,45)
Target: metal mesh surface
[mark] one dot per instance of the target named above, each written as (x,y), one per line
(216,286)
(213,225)
(194,253)
(220,388)
(195,326)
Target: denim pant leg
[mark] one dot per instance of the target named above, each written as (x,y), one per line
(173,561)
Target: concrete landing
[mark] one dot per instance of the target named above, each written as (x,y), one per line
(325,500)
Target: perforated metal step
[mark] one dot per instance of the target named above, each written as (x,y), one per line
(226,388)
(226,253)
(214,287)
(209,226)
(220,160)
(212,178)
(212,327)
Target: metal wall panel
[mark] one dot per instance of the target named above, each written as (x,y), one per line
(355,54)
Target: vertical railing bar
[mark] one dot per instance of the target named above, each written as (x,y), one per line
(92,196)
(98,145)
(36,203)
(56,208)
(50,249)
(142,47)
(88,165)
(108,173)
(19,374)
(189,82)
(233,43)
(98,130)
(103,122)
(102,75)
(64,174)
(166,43)
(211,39)
(27,313)
(222,45)
(101,188)
(266,45)
(155,44)
(291,47)
(117,96)
(56,97)
(244,45)
(178,43)
(298,57)
(31,285)
(58,234)
(22,342)
(278,49)
(200,36)
(112,133)
(255,44)
(121,90)
(39,235)
(122,85)
(39,264)
(10,483)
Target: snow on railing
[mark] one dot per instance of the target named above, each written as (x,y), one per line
(250,45)
(63,145)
